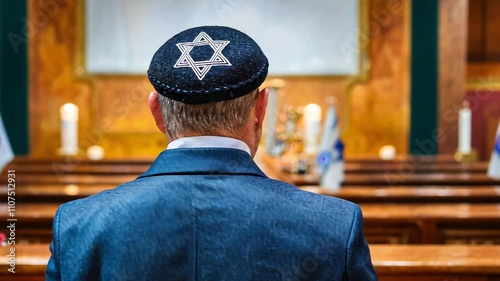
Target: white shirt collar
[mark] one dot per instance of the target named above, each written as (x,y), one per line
(209,141)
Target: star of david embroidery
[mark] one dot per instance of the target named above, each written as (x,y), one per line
(201,68)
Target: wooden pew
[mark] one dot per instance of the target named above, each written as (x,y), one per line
(80,167)
(436,263)
(397,179)
(412,194)
(400,166)
(384,223)
(394,168)
(34,221)
(432,223)
(51,179)
(392,262)
(55,192)
(30,265)
(393,173)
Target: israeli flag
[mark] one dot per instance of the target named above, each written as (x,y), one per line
(330,158)
(494,167)
(6,154)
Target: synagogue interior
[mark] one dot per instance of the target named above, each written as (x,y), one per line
(393,105)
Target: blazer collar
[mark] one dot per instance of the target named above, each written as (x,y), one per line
(182,161)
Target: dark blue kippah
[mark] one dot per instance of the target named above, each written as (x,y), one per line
(208,64)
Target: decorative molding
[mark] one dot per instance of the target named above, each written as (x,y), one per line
(483,76)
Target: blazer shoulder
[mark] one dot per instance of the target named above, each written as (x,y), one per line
(104,198)
(321,202)
(318,207)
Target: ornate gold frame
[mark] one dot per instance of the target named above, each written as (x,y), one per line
(477,85)
(484,82)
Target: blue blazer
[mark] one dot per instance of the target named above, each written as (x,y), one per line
(208,214)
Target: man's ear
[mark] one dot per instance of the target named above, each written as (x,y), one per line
(260,106)
(154,105)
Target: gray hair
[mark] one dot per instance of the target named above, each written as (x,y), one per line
(221,118)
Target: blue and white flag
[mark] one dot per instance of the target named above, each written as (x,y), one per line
(330,158)
(6,154)
(494,167)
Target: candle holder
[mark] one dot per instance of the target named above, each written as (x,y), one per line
(69,156)
(462,157)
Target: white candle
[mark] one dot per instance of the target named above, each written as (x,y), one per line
(312,124)
(464,129)
(95,152)
(69,129)
(387,152)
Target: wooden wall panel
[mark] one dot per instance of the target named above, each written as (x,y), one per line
(114,112)
(113,109)
(452,70)
(122,104)
(484,30)
(52,49)
(492,32)
(379,108)
(475,46)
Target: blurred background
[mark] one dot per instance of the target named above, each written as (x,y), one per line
(400,70)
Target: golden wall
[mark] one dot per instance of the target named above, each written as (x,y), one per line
(114,112)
